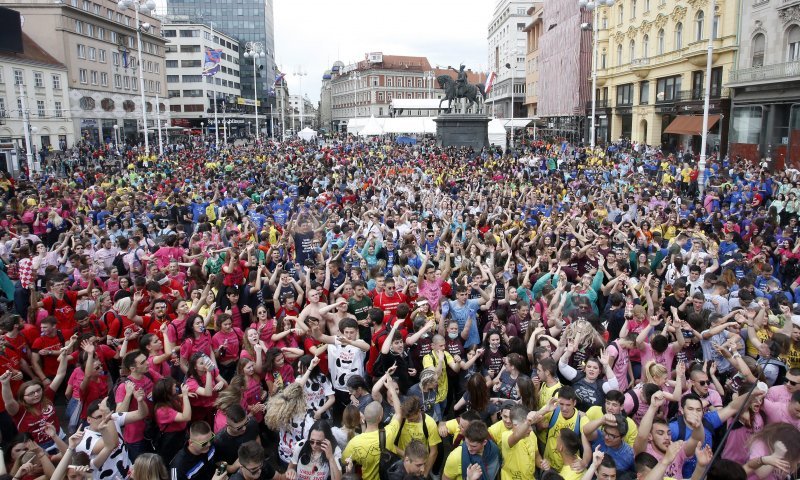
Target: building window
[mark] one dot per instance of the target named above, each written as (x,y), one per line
(646,5)
(58,110)
(191,63)
(678,36)
(619,54)
(101,33)
(668,89)
(19,107)
(104,79)
(660,42)
(644,93)
(716,82)
(169,33)
(114,37)
(173,93)
(632,50)
(126,81)
(81,51)
(190,33)
(603,60)
(389,81)
(92,54)
(697,85)
(793,36)
(38,79)
(157,67)
(172,64)
(173,78)
(645,46)
(94,77)
(84,75)
(102,55)
(633,9)
(78,26)
(698,25)
(115,58)
(759,42)
(90,29)
(56,82)
(19,77)
(190,48)
(40,108)
(625,94)
(117,81)
(715,27)
(158,87)
(620,15)
(192,78)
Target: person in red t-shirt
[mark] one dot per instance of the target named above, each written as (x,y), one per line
(61,303)
(46,349)
(389,299)
(33,408)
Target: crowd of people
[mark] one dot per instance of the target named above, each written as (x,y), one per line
(363,309)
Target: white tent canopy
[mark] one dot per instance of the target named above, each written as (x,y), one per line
(497,132)
(371,128)
(307,134)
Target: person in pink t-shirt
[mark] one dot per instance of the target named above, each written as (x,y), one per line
(173,411)
(430,286)
(783,393)
(204,381)
(227,343)
(196,340)
(773,453)
(654,436)
(659,349)
(788,412)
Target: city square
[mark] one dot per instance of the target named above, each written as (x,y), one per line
(476,240)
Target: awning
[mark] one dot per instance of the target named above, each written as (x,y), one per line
(690,124)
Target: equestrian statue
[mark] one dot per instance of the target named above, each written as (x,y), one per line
(460,88)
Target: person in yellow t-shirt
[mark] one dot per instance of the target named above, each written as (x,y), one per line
(364,449)
(547,371)
(407,426)
(613,405)
(457,426)
(481,452)
(567,449)
(437,360)
(504,425)
(560,414)
(519,446)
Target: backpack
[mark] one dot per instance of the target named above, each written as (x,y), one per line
(119,264)
(387,458)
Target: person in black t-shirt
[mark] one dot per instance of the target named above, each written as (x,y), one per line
(198,459)
(254,466)
(239,430)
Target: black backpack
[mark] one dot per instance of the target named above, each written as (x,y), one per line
(119,264)
(387,458)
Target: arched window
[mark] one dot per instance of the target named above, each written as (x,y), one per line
(698,25)
(715,27)
(632,51)
(633,9)
(645,46)
(759,43)
(660,47)
(793,37)
(678,36)
(619,54)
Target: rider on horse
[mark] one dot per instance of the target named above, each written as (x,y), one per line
(461,81)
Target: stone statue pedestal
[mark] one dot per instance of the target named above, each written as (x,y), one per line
(462,130)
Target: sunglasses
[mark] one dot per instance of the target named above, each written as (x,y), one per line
(203,444)
(315,442)
(702,383)
(792,382)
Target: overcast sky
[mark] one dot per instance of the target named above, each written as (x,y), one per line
(312,34)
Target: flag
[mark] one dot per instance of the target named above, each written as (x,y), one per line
(279,77)
(211,62)
(490,78)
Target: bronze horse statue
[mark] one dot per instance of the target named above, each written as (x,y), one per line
(471,92)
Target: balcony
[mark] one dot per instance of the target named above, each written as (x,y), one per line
(601,103)
(766,73)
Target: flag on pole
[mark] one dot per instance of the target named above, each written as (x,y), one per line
(279,77)
(211,62)
(490,78)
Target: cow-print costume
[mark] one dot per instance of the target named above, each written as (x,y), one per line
(297,430)
(118,463)
(344,361)
(317,388)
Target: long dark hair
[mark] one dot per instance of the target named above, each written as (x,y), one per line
(164,394)
(188,331)
(191,371)
(324,427)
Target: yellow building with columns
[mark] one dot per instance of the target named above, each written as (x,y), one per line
(651,63)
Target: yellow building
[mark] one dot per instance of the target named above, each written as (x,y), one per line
(651,66)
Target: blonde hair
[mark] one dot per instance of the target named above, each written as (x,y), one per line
(286,405)
(652,370)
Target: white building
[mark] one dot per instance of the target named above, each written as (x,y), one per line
(191,95)
(308,113)
(43,81)
(507,48)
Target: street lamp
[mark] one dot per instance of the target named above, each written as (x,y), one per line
(255,50)
(591,6)
(512,69)
(356,78)
(300,74)
(203,131)
(140,6)
(429,78)
(116,135)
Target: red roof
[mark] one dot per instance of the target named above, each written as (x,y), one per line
(32,52)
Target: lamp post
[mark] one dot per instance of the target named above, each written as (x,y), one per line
(356,77)
(701,178)
(203,131)
(255,50)
(429,78)
(140,6)
(591,6)
(300,74)
(116,136)
(512,69)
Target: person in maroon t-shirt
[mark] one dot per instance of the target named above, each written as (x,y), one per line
(46,349)
(61,303)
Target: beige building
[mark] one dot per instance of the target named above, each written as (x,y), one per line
(765,86)
(651,69)
(96,41)
(534,31)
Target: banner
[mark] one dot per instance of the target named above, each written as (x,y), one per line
(211,62)
(490,81)
(279,77)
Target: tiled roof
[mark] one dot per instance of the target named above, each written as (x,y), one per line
(32,52)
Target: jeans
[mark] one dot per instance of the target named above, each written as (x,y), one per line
(137,448)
